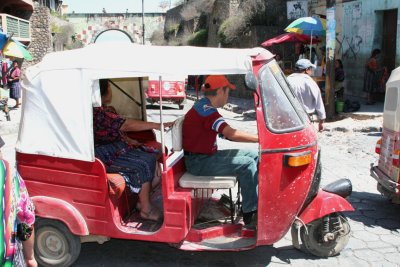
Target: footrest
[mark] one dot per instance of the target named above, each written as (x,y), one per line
(212,182)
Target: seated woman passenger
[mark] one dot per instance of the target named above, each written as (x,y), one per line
(120,154)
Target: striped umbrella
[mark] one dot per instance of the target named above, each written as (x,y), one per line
(13,49)
(309,26)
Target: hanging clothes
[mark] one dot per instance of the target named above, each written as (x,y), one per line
(4,67)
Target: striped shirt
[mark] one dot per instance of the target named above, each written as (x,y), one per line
(201,126)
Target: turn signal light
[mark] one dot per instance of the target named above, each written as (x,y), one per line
(395,158)
(296,160)
(378,146)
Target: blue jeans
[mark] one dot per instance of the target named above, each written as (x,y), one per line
(238,162)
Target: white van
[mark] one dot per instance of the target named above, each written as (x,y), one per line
(388,147)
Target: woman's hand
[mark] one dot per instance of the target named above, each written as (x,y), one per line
(131,141)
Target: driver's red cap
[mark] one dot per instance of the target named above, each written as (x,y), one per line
(214,82)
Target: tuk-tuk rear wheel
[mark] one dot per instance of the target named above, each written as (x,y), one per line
(55,245)
(313,241)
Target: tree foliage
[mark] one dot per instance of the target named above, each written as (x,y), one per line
(231,29)
(250,12)
(198,38)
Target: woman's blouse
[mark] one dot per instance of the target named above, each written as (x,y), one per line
(106,125)
(372,64)
(339,74)
(15,73)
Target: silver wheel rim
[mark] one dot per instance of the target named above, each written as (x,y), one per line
(52,244)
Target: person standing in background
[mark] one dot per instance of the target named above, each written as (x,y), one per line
(371,76)
(14,84)
(307,90)
(279,60)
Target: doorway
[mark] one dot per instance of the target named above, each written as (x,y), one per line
(389,34)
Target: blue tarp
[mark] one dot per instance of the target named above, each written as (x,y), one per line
(3,39)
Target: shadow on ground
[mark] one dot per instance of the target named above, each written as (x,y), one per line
(135,253)
(374,210)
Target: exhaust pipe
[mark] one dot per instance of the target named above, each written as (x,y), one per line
(342,187)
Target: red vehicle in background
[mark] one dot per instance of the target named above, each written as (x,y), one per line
(387,172)
(77,201)
(173,90)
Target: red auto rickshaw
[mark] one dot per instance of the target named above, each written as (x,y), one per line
(77,201)
(173,90)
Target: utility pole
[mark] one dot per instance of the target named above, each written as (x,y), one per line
(330,58)
(143,20)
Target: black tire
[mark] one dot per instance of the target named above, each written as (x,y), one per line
(55,245)
(313,240)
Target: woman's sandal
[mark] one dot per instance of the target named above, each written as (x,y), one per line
(153,215)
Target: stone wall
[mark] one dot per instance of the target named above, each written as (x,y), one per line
(218,16)
(40,35)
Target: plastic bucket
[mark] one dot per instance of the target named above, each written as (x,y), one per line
(339,106)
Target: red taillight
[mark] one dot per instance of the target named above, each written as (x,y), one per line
(395,158)
(378,146)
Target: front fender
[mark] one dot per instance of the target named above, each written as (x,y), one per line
(324,203)
(57,209)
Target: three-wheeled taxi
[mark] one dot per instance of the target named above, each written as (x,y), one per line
(173,89)
(388,146)
(77,201)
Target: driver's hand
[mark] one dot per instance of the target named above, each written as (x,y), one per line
(320,126)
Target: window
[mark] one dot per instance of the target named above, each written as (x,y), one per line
(282,111)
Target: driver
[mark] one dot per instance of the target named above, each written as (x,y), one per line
(201,126)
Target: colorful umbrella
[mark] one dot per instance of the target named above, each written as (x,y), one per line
(289,37)
(13,49)
(308,25)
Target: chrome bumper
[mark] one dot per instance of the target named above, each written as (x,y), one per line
(384,180)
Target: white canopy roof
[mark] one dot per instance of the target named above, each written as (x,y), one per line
(60,91)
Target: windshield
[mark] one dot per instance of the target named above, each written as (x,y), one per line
(282,111)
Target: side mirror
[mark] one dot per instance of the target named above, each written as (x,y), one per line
(252,84)
(251,81)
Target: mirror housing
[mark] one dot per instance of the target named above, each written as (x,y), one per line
(251,82)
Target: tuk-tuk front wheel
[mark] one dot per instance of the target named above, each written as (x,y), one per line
(55,245)
(327,236)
